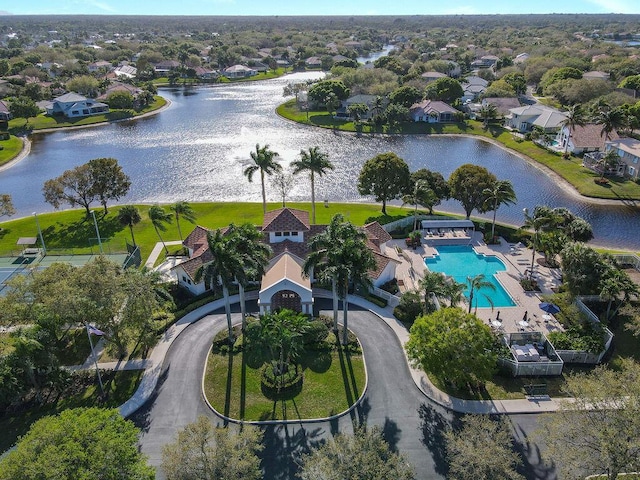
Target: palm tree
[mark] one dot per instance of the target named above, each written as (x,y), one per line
(246,241)
(609,160)
(488,112)
(615,283)
(575,118)
(129,216)
(159,218)
(433,283)
(500,193)
(475,284)
(263,160)
(421,194)
(453,291)
(184,210)
(340,255)
(610,119)
(541,220)
(224,267)
(315,162)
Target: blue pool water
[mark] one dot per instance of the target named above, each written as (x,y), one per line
(461,261)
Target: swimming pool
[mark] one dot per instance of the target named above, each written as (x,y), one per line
(461,261)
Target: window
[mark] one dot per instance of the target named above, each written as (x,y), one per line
(184,278)
(286,234)
(294,234)
(632,171)
(278,234)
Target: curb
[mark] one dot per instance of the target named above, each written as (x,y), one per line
(301,421)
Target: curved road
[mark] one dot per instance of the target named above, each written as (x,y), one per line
(410,422)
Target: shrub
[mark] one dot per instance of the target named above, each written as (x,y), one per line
(391,286)
(379,301)
(409,308)
(316,332)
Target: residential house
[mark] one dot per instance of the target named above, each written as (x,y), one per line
(5,113)
(432,76)
(205,73)
(313,62)
(368,100)
(339,58)
(166,66)
(473,86)
(239,71)
(629,151)
(596,75)
(101,65)
(73,105)
(521,58)
(120,87)
(485,61)
(288,232)
(503,104)
(127,71)
(433,111)
(583,139)
(523,119)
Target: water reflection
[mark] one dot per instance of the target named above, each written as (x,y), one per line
(195,150)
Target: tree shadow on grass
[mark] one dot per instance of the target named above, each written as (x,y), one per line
(81,233)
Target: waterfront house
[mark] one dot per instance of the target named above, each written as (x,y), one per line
(433,111)
(239,71)
(523,119)
(73,105)
(166,66)
(288,232)
(503,104)
(629,151)
(583,139)
(368,100)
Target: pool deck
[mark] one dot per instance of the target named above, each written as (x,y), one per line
(518,262)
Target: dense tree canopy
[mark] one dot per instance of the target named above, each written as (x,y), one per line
(455,346)
(446,89)
(78,443)
(203,451)
(363,456)
(321,91)
(385,176)
(469,185)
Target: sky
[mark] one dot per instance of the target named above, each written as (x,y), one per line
(312,7)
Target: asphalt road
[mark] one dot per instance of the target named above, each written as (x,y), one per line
(410,422)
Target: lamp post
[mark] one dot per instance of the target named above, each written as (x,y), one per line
(44,248)
(95,223)
(530,222)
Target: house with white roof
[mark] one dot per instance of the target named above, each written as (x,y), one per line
(523,119)
(239,71)
(73,105)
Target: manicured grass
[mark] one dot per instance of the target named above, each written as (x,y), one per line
(571,170)
(119,386)
(43,121)
(333,381)
(10,149)
(69,229)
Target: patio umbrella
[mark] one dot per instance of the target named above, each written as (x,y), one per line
(549,307)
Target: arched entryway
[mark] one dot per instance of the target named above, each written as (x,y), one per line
(286,299)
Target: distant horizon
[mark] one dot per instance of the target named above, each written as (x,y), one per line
(328,8)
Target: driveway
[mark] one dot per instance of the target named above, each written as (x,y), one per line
(411,423)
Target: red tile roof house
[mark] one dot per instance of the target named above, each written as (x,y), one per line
(287,231)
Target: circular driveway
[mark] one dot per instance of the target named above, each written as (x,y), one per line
(410,422)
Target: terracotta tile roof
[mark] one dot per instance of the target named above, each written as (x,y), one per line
(375,229)
(192,265)
(197,240)
(286,220)
(590,136)
(381,263)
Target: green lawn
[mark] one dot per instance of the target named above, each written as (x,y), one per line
(333,381)
(119,386)
(571,170)
(69,229)
(43,121)
(10,149)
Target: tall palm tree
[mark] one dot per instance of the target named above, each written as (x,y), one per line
(159,218)
(224,267)
(315,162)
(263,161)
(421,194)
(475,284)
(610,119)
(184,210)
(246,241)
(543,219)
(129,216)
(432,283)
(575,118)
(500,193)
